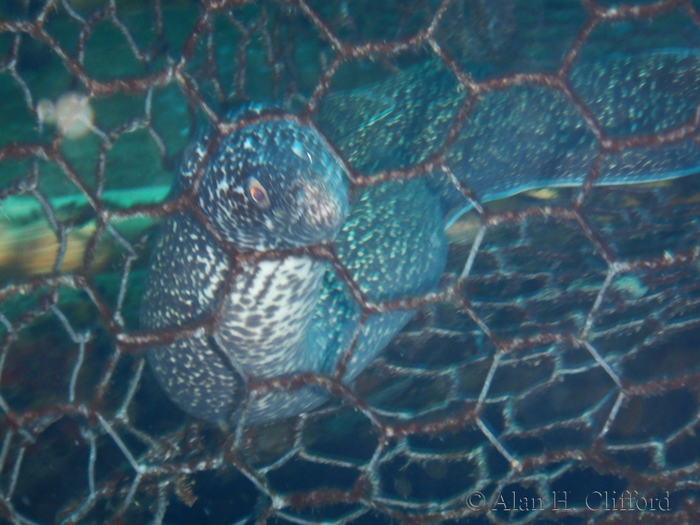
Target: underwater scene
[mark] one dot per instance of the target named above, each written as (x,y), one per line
(341,261)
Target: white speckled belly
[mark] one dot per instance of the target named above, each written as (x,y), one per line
(267,314)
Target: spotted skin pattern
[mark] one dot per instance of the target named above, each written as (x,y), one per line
(290,315)
(524,137)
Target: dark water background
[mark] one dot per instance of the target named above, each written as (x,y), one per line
(515,287)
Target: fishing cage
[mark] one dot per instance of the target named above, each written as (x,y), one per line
(552,377)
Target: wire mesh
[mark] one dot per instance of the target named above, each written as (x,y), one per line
(552,377)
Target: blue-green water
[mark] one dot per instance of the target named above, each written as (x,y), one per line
(530,278)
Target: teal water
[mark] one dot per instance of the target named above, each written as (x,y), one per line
(533,277)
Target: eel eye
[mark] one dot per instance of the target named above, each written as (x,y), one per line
(258,193)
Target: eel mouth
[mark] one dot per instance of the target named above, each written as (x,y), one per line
(322,210)
(325,209)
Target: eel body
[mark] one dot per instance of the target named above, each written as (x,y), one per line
(277,184)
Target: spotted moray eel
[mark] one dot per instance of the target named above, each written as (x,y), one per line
(277,184)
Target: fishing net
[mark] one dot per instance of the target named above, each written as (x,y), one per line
(551,378)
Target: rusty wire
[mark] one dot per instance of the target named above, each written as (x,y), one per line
(132,473)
